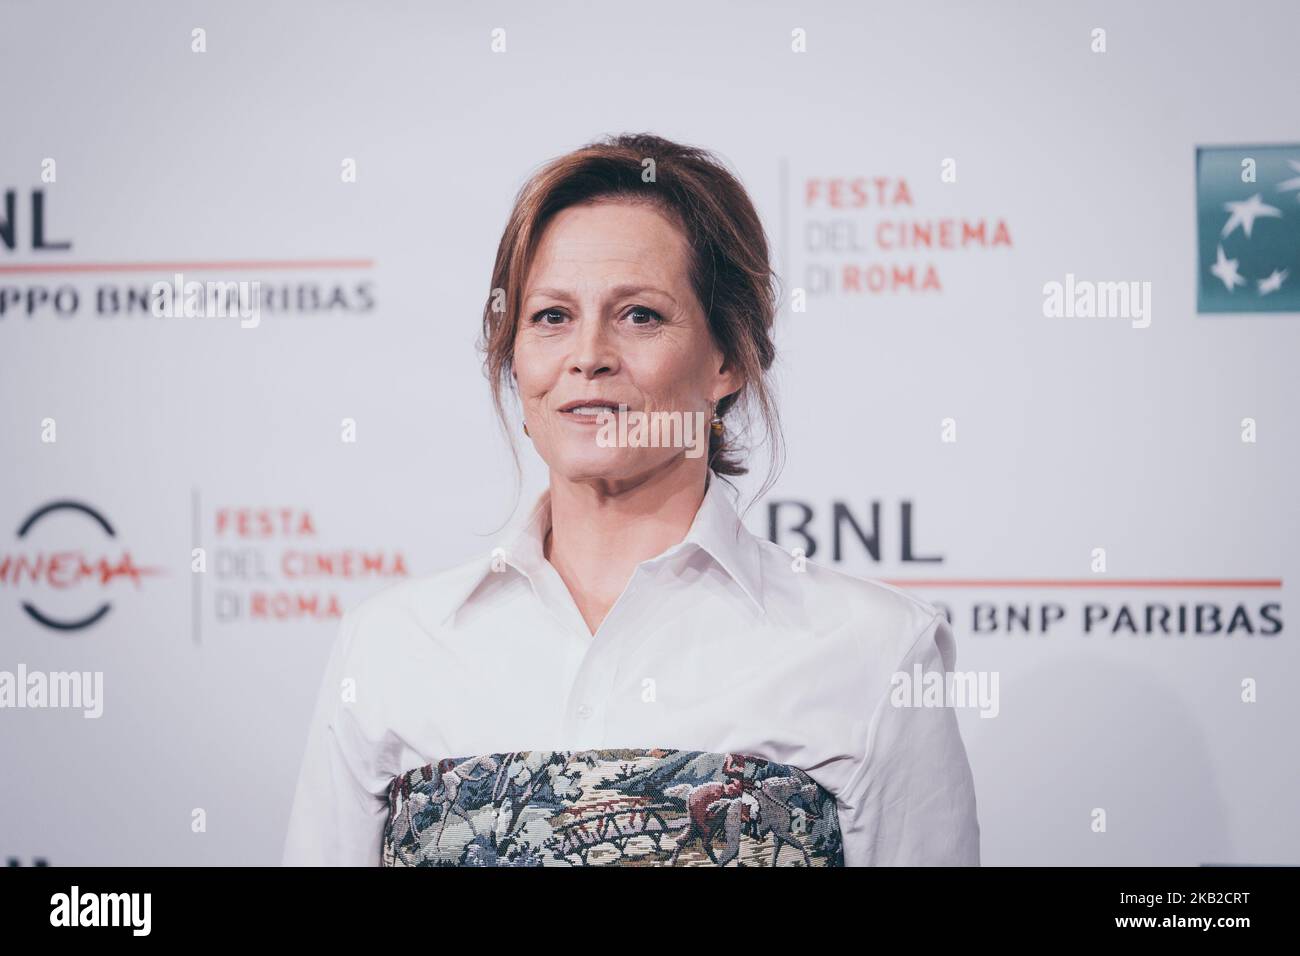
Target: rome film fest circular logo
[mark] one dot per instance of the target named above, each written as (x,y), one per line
(69,570)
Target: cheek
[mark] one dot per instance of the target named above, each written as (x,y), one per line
(531,373)
(672,379)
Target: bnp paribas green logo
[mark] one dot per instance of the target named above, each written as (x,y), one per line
(1248,228)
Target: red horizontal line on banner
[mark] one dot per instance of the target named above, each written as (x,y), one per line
(228,265)
(1100,583)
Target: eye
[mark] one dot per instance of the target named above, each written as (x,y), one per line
(541,317)
(638,311)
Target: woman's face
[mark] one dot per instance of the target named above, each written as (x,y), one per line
(609,316)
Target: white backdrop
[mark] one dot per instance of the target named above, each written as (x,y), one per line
(1073,434)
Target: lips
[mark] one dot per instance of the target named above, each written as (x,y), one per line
(588,407)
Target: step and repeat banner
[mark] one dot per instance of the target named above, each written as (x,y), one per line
(1037,364)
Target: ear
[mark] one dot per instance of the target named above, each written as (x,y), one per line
(729,380)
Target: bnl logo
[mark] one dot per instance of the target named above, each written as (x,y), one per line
(36,217)
(1248,229)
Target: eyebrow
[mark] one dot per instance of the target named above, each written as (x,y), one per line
(617,292)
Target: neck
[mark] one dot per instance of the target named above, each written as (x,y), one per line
(600,532)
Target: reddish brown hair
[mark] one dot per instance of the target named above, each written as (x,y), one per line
(730,268)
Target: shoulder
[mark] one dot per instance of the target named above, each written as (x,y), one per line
(887,620)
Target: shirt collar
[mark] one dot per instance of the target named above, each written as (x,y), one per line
(716,529)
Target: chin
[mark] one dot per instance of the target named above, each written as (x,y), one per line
(606,464)
(592,468)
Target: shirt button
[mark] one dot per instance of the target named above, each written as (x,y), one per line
(584,711)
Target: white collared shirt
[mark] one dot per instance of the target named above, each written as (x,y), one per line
(723,643)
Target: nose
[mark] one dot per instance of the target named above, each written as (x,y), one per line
(595,351)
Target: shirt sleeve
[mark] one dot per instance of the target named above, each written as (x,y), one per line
(913,797)
(336,820)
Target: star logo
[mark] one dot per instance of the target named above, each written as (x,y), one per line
(1245,213)
(1292,183)
(1226,270)
(1273,282)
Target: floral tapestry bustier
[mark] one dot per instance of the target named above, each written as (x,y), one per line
(610,808)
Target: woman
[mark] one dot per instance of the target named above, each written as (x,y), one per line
(677,691)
